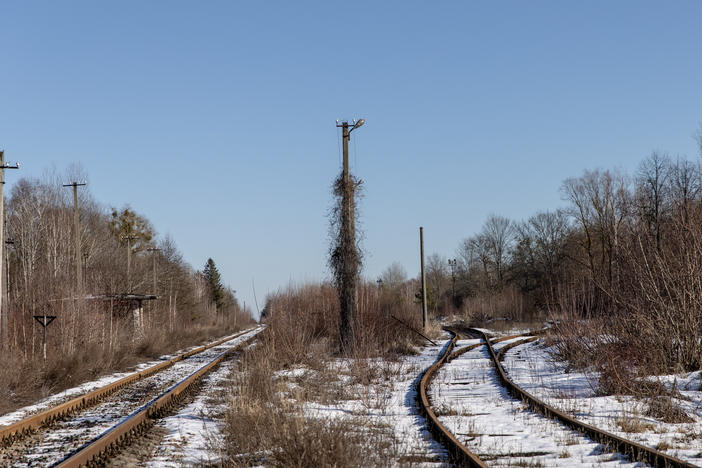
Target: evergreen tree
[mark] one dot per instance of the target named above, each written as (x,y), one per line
(214,281)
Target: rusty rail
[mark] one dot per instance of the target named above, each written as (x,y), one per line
(636,451)
(17,430)
(457,451)
(108,442)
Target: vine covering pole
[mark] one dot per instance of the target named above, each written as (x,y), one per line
(345,257)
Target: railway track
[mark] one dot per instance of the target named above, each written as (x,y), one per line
(487,355)
(87,429)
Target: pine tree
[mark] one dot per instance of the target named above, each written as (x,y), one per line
(214,281)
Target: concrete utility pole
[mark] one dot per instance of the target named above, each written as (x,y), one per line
(3,306)
(424,279)
(129,240)
(76,229)
(349,261)
(153,251)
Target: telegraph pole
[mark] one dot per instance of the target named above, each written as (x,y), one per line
(424,279)
(129,238)
(76,229)
(349,261)
(3,307)
(153,251)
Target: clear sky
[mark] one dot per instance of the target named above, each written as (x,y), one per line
(216,119)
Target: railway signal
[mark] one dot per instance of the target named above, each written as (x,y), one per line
(45,321)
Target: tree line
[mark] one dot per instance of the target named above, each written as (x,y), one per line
(620,266)
(41,272)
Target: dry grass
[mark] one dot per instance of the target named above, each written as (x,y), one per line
(665,409)
(633,423)
(297,363)
(25,381)
(279,433)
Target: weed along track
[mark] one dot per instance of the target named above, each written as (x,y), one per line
(86,429)
(482,417)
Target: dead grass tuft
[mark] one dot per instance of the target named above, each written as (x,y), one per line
(665,409)
(279,433)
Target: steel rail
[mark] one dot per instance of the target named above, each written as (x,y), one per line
(106,444)
(457,451)
(465,349)
(636,451)
(19,429)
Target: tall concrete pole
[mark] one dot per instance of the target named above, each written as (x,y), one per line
(3,306)
(424,279)
(349,306)
(76,237)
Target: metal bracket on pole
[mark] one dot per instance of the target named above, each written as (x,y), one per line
(44,320)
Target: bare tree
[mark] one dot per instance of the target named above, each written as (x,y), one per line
(394,275)
(498,235)
(651,192)
(437,276)
(684,188)
(541,245)
(601,204)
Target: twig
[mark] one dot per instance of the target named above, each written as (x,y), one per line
(417,332)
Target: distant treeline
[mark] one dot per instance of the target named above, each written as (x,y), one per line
(42,272)
(625,252)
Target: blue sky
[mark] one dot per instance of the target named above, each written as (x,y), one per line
(216,120)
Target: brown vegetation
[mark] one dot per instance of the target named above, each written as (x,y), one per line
(95,331)
(303,331)
(618,270)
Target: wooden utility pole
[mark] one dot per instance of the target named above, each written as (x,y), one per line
(347,274)
(3,305)
(129,240)
(76,237)
(424,279)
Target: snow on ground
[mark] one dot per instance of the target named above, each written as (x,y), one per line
(194,431)
(391,401)
(66,435)
(469,400)
(387,400)
(532,367)
(86,387)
